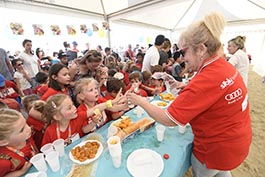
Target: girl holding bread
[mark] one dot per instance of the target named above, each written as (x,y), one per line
(88,94)
(63,120)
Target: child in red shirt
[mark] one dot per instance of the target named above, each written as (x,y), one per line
(42,79)
(113,87)
(16,144)
(135,82)
(59,80)
(87,90)
(38,124)
(63,120)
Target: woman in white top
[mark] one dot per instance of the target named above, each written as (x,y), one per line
(239,58)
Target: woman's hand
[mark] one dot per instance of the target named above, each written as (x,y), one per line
(134,99)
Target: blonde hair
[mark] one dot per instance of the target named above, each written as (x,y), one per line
(80,84)
(28,101)
(207,32)
(7,120)
(239,41)
(52,105)
(166,44)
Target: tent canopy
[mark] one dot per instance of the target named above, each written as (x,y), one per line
(164,14)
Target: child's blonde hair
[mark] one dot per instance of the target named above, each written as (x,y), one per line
(80,84)
(7,120)
(52,105)
(27,102)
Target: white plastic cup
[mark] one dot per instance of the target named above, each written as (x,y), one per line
(37,174)
(139,111)
(53,160)
(114,145)
(116,161)
(112,130)
(59,146)
(182,129)
(160,130)
(39,162)
(47,148)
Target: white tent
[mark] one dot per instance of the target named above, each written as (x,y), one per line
(244,17)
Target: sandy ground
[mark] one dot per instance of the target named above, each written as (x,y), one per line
(254,165)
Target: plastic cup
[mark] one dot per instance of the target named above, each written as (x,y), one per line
(59,146)
(47,148)
(53,160)
(116,161)
(139,111)
(37,174)
(115,150)
(182,129)
(39,162)
(114,145)
(160,130)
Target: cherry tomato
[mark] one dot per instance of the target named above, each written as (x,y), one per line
(166,156)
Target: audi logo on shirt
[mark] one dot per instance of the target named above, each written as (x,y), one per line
(233,95)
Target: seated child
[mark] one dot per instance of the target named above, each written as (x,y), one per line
(135,79)
(16,144)
(113,87)
(42,79)
(63,120)
(157,85)
(38,124)
(88,95)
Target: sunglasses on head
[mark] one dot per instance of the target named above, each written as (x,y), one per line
(183,51)
(19,64)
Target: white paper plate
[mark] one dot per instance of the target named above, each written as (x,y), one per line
(145,163)
(100,150)
(155,102)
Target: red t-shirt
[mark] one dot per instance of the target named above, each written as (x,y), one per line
(51,92)
(7,166)
(126,77)
(76,128)
(41,89)
(140,91)
(110,113)
(83,108)
(38,130)
(215,103)
(9,90)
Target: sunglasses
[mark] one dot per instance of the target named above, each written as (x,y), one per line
(20,64)
(183,51)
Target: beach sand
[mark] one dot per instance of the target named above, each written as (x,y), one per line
(254,164)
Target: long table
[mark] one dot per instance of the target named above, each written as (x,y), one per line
(177,146)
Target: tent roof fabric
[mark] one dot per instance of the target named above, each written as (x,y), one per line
(165,14)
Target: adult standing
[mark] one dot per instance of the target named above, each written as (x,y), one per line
(239,58)
(152,56)
(221,124)
(6,68)
(30,61)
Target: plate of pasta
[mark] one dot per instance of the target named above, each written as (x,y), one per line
(86,152)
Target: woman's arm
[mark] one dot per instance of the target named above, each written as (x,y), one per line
(155,112)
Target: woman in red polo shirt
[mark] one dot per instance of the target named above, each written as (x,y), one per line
(215,103)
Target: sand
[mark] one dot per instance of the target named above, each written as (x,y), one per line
(254,164)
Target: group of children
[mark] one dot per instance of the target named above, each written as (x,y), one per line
(63,109)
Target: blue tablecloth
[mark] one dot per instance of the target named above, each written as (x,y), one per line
(177,146)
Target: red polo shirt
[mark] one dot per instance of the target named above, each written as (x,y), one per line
(51,92)
(216,105)
(7,166)
(76,128)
